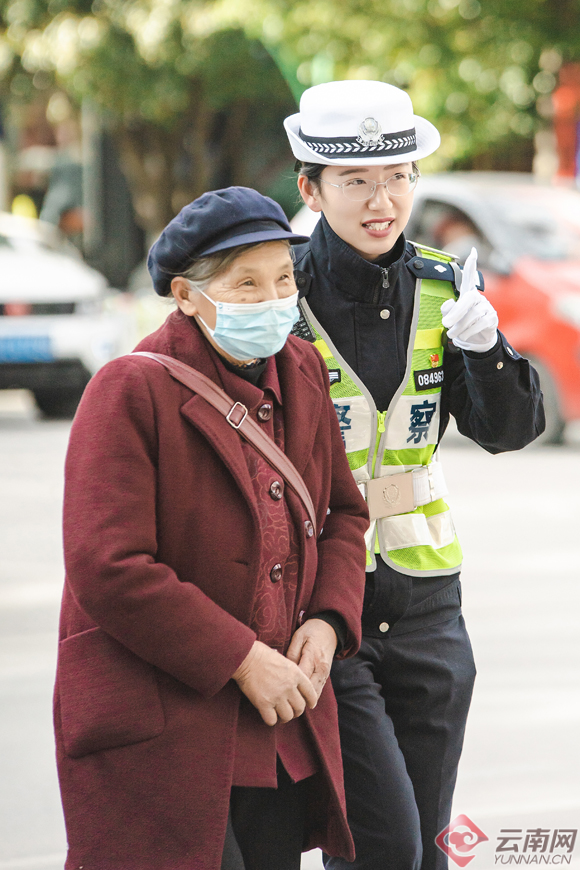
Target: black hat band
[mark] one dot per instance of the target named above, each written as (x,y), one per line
(391,144)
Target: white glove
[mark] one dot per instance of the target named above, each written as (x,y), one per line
(471,321)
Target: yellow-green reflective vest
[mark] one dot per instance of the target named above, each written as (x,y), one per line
(421,542)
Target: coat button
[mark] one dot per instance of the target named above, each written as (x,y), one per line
(418,264)
(265,411)
(385,314)
(510,351)
(300,280)
(276,573)
(384,626)
(308,528)
(276,490)
(500,365)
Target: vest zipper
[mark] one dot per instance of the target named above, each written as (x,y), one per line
(380,429)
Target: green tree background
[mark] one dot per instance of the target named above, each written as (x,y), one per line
(195,92)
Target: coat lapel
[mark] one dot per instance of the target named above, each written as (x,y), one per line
(180,337)
(224,440)
(300,417)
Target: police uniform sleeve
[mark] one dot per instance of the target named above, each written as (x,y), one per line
(495,397)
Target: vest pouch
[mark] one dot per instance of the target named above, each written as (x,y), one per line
(388,496)
(108,695)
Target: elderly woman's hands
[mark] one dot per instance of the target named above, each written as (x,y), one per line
(312,648)
(276,686)
(281,687)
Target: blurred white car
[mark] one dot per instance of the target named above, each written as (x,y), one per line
(59,321)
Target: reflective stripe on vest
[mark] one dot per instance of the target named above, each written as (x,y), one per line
(404,437)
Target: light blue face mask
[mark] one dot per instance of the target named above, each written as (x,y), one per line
(255,330)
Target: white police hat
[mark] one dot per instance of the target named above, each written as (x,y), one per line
(347,123)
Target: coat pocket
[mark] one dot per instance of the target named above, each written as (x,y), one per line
(108,695)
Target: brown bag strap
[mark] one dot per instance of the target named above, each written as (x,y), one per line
(237,416)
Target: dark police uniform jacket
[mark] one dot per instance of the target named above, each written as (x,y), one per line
(494,397)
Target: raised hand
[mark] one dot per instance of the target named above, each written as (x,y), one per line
(471,320)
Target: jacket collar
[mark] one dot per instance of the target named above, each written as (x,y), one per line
(245,392)
(350,273)
(181,338)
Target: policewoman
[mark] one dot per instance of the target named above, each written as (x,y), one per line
(408,339)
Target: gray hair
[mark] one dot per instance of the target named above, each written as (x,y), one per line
(201,272)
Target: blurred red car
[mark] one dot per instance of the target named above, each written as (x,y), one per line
(527,234)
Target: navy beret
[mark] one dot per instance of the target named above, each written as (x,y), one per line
(214,221)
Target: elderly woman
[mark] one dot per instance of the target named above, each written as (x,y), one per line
(203,606)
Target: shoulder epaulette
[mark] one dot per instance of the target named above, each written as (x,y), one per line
(431,264)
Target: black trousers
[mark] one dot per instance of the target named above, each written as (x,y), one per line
(403,702)
(266,826)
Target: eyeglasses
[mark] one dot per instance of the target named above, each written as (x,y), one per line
(360,189)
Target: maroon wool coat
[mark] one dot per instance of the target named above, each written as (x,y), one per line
(162,550)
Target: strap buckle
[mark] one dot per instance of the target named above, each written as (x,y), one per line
(241,408)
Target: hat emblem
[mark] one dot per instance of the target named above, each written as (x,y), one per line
(370,132)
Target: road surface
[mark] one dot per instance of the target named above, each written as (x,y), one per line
(518,517)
